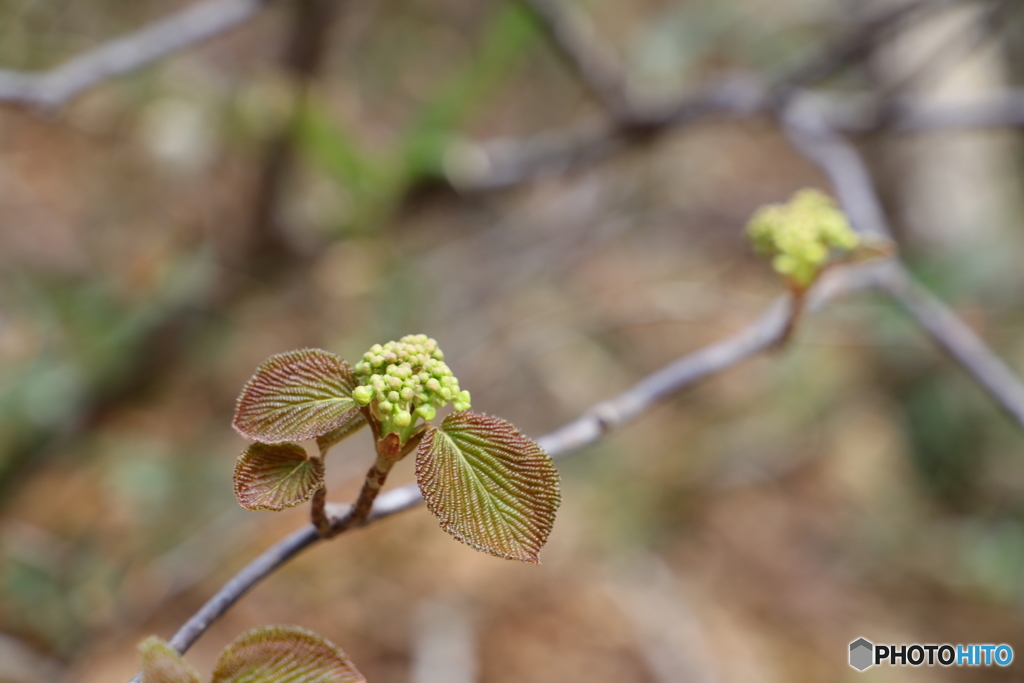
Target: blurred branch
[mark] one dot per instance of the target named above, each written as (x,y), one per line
(846,169)
(600,420)
(858,44)
(157,351)
(196,23)
(510,162)
(858,115)
(573,36)
(815,137)
(989,21)
(312,21)
(958,340)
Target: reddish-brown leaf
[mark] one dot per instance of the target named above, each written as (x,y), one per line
(491,487)
(296,396)
(271,654)
(276,476)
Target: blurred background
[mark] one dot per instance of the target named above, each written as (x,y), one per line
(310,179)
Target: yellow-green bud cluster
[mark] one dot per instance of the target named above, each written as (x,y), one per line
(406,380)
(799,235)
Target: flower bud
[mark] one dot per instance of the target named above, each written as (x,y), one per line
(362,395)
(409,380)
(800,234)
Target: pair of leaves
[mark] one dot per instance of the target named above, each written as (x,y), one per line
(268,654)
(489,486)
(294,396)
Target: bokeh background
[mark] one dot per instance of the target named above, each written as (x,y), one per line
(170,229)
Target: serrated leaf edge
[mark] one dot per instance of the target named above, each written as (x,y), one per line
(318,471)
(220,676)
(301,436)
(527,555)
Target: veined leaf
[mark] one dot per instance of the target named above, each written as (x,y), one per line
(161,663)
(332,437)
(491,487)
(276,476)
(296,396)
(271,654)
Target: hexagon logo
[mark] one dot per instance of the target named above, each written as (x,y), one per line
(861,654)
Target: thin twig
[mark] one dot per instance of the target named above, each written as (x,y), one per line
(196,23)
(597,422)
(513,162)
(860,113)
(575,40)
(957,339)
(856,46)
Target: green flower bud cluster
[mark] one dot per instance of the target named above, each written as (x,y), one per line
(407,380)
(800,234)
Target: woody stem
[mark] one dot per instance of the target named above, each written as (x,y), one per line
(389,452)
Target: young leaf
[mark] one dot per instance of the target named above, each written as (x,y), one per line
(325,441)
(276,476)
(271,654)
(296,396)
(491,487)
(162,664)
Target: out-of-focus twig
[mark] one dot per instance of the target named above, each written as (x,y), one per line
(857,44)
(852,114)
(957,339)
(196,23)
(505,163)
(511,162)
(573,37)
(308,42)
(851,178)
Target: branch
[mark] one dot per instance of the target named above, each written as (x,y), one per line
(604,417)
(863,114)
(845,167)
(574,38)
(511,162)
(958,340)
(196,23)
